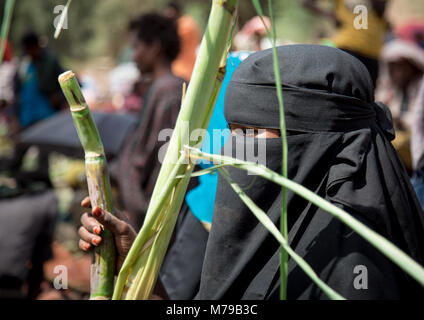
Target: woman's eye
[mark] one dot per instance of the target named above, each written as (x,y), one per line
(248,132)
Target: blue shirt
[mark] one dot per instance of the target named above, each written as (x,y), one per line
(201,200)
(34,106)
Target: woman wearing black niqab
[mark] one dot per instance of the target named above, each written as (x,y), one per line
(339,147)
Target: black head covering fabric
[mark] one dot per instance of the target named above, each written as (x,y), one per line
(338,147)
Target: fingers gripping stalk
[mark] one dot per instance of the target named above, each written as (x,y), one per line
(103,265)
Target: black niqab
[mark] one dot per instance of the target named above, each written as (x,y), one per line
(338,147)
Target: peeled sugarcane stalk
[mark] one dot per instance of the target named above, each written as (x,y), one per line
(103,263)
(139,272)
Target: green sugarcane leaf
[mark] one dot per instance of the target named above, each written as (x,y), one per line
(279,91)
(258,8)
(397,256)
(136,256)
(62,19)
(269,225)
(202,172)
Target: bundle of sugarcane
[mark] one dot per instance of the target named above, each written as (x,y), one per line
(139,272)
(103,265)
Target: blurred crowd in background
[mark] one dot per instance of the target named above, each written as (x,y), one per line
(140,87)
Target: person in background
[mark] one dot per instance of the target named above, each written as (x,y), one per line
(8,52)
(190,35)
(127,52)
(37,96)
(253,35)
(125,88)
(127,85)
(412,31)
(402,70)
(27,224)
(155,48)
(417,145)
(7,71)
(38,93)
(364,44)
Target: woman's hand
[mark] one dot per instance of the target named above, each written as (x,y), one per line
(92,228)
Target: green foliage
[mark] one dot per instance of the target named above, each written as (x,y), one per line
(99,27)
(95,27)
(294,22)
(39,16)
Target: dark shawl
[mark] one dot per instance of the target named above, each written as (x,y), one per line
(338,147)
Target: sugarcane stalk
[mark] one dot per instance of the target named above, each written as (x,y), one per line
(7,18)
(272,34)
(150,269)
(392,252)
(138,276)
(140,269)
(197,107)
(103,263)
(156,231)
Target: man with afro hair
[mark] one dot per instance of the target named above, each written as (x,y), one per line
(155,46)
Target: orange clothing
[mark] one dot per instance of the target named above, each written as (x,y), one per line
(189,33)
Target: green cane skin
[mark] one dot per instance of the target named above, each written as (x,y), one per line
(103,263)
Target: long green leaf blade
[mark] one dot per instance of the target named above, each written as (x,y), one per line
(62,19)
(397,256)
(283,221)
(269,225)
